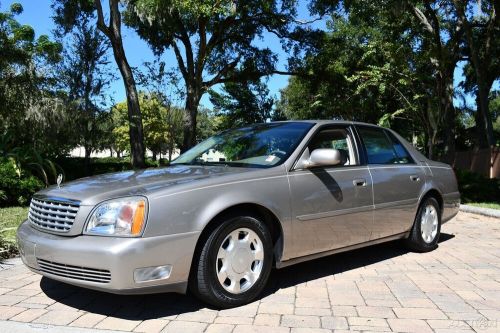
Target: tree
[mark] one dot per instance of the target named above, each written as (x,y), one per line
(67,13)
(242,103)
(163,85)
(213,42)
(28,99)
(85,76)
(161,125)
(386,61)
(441,36)
(482,31)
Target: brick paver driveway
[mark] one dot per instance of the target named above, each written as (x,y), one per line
(382,288)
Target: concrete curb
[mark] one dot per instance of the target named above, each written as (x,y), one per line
(481,211)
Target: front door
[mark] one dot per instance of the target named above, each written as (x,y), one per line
(331,206)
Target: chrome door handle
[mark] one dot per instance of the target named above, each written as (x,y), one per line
(415,178)
(359,182)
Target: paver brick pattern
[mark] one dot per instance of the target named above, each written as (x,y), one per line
(455,288)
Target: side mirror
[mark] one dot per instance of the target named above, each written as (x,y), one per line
(324,157)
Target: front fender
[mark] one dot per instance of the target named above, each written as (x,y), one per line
(191,210)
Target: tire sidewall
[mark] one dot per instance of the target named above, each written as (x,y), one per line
(220,234)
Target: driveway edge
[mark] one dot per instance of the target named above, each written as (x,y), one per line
(480,210)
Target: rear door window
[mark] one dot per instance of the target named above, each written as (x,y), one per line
(403,156)
(382,147)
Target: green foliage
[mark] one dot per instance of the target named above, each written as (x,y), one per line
(84,79)
(474,187)
(27,91)
(162,124)
(208,124)
(217,38)
(17,186)
(10,219)
(386,62)
(29,160)
(242,103)
(345,77)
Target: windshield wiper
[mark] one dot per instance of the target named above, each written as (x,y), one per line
(213,163)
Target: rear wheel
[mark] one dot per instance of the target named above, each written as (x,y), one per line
(234,263)
(426,229)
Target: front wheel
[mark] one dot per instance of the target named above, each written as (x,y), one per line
(234,263)
(426,229)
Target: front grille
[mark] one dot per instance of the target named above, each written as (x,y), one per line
(52,215)
(74,272)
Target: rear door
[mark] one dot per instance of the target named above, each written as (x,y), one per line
(331,206)
(397,181)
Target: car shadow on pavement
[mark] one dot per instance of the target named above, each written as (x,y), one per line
(143,307)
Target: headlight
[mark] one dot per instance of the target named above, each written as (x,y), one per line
(118,217)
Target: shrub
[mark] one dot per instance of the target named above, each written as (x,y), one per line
(17,186)
(477,188)
(73,166)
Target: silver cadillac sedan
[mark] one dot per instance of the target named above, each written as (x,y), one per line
(223,214)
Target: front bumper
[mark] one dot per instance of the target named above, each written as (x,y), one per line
(118,256)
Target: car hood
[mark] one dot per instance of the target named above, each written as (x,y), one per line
(91,190)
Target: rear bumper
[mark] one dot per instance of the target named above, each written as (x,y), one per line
(108,263)
(451,206)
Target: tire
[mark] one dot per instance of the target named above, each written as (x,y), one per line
(251,241)
(423,237)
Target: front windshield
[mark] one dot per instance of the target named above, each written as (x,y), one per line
(262,145)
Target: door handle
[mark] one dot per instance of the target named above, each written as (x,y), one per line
(415,178)
(359,182)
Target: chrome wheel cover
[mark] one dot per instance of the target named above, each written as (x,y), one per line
(429,223)
(239,260)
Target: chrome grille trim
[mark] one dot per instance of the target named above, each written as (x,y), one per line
(74,272)
(52,215)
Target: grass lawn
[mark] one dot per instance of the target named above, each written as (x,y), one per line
(492,205)
(10,218)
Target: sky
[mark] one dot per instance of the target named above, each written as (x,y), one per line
(38,14)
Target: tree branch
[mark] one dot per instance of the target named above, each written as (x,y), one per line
(184,38)
(222,73)
(423,19)
(200,59)
(115,19)
(100,19)
(180,61)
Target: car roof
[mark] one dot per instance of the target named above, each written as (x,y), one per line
(327,122)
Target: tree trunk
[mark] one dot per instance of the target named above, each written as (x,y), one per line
(481,141)
(481,67)
(113,32)
(137,150)
(190,113)
(449,128)
(154,155)
(86,161)
(444,87)
(484,112)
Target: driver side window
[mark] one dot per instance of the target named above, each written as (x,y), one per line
(335,138)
